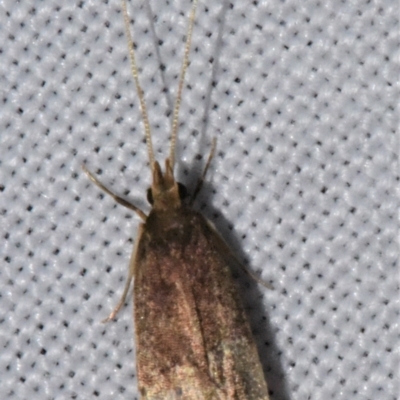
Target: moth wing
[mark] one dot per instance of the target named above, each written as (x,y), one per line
(192,335)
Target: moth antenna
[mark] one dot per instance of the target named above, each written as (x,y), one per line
(135,75)
(184,67)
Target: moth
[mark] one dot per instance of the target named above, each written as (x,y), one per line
(193,339)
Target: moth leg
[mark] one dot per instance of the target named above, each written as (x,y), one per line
(118,199)
(201,180)
(129,279)
(226,251)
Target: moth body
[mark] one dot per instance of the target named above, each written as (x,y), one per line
(193,339)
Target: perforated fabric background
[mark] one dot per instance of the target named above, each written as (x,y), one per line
(302,97)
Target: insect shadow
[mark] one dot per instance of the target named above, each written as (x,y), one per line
(251,291)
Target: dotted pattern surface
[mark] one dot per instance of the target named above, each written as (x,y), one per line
(303,99)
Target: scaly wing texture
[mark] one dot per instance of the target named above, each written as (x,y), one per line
(193,337)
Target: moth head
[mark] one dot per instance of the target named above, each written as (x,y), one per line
(165,192)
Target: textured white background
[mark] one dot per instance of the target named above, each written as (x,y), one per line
(302,97)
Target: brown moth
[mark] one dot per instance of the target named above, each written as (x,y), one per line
(193,339)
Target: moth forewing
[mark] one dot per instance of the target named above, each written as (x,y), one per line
(192,333)
(193,339)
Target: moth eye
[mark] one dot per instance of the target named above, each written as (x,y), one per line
(150,196)
(182,191)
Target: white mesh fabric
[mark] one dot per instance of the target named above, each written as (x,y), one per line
(302,97)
